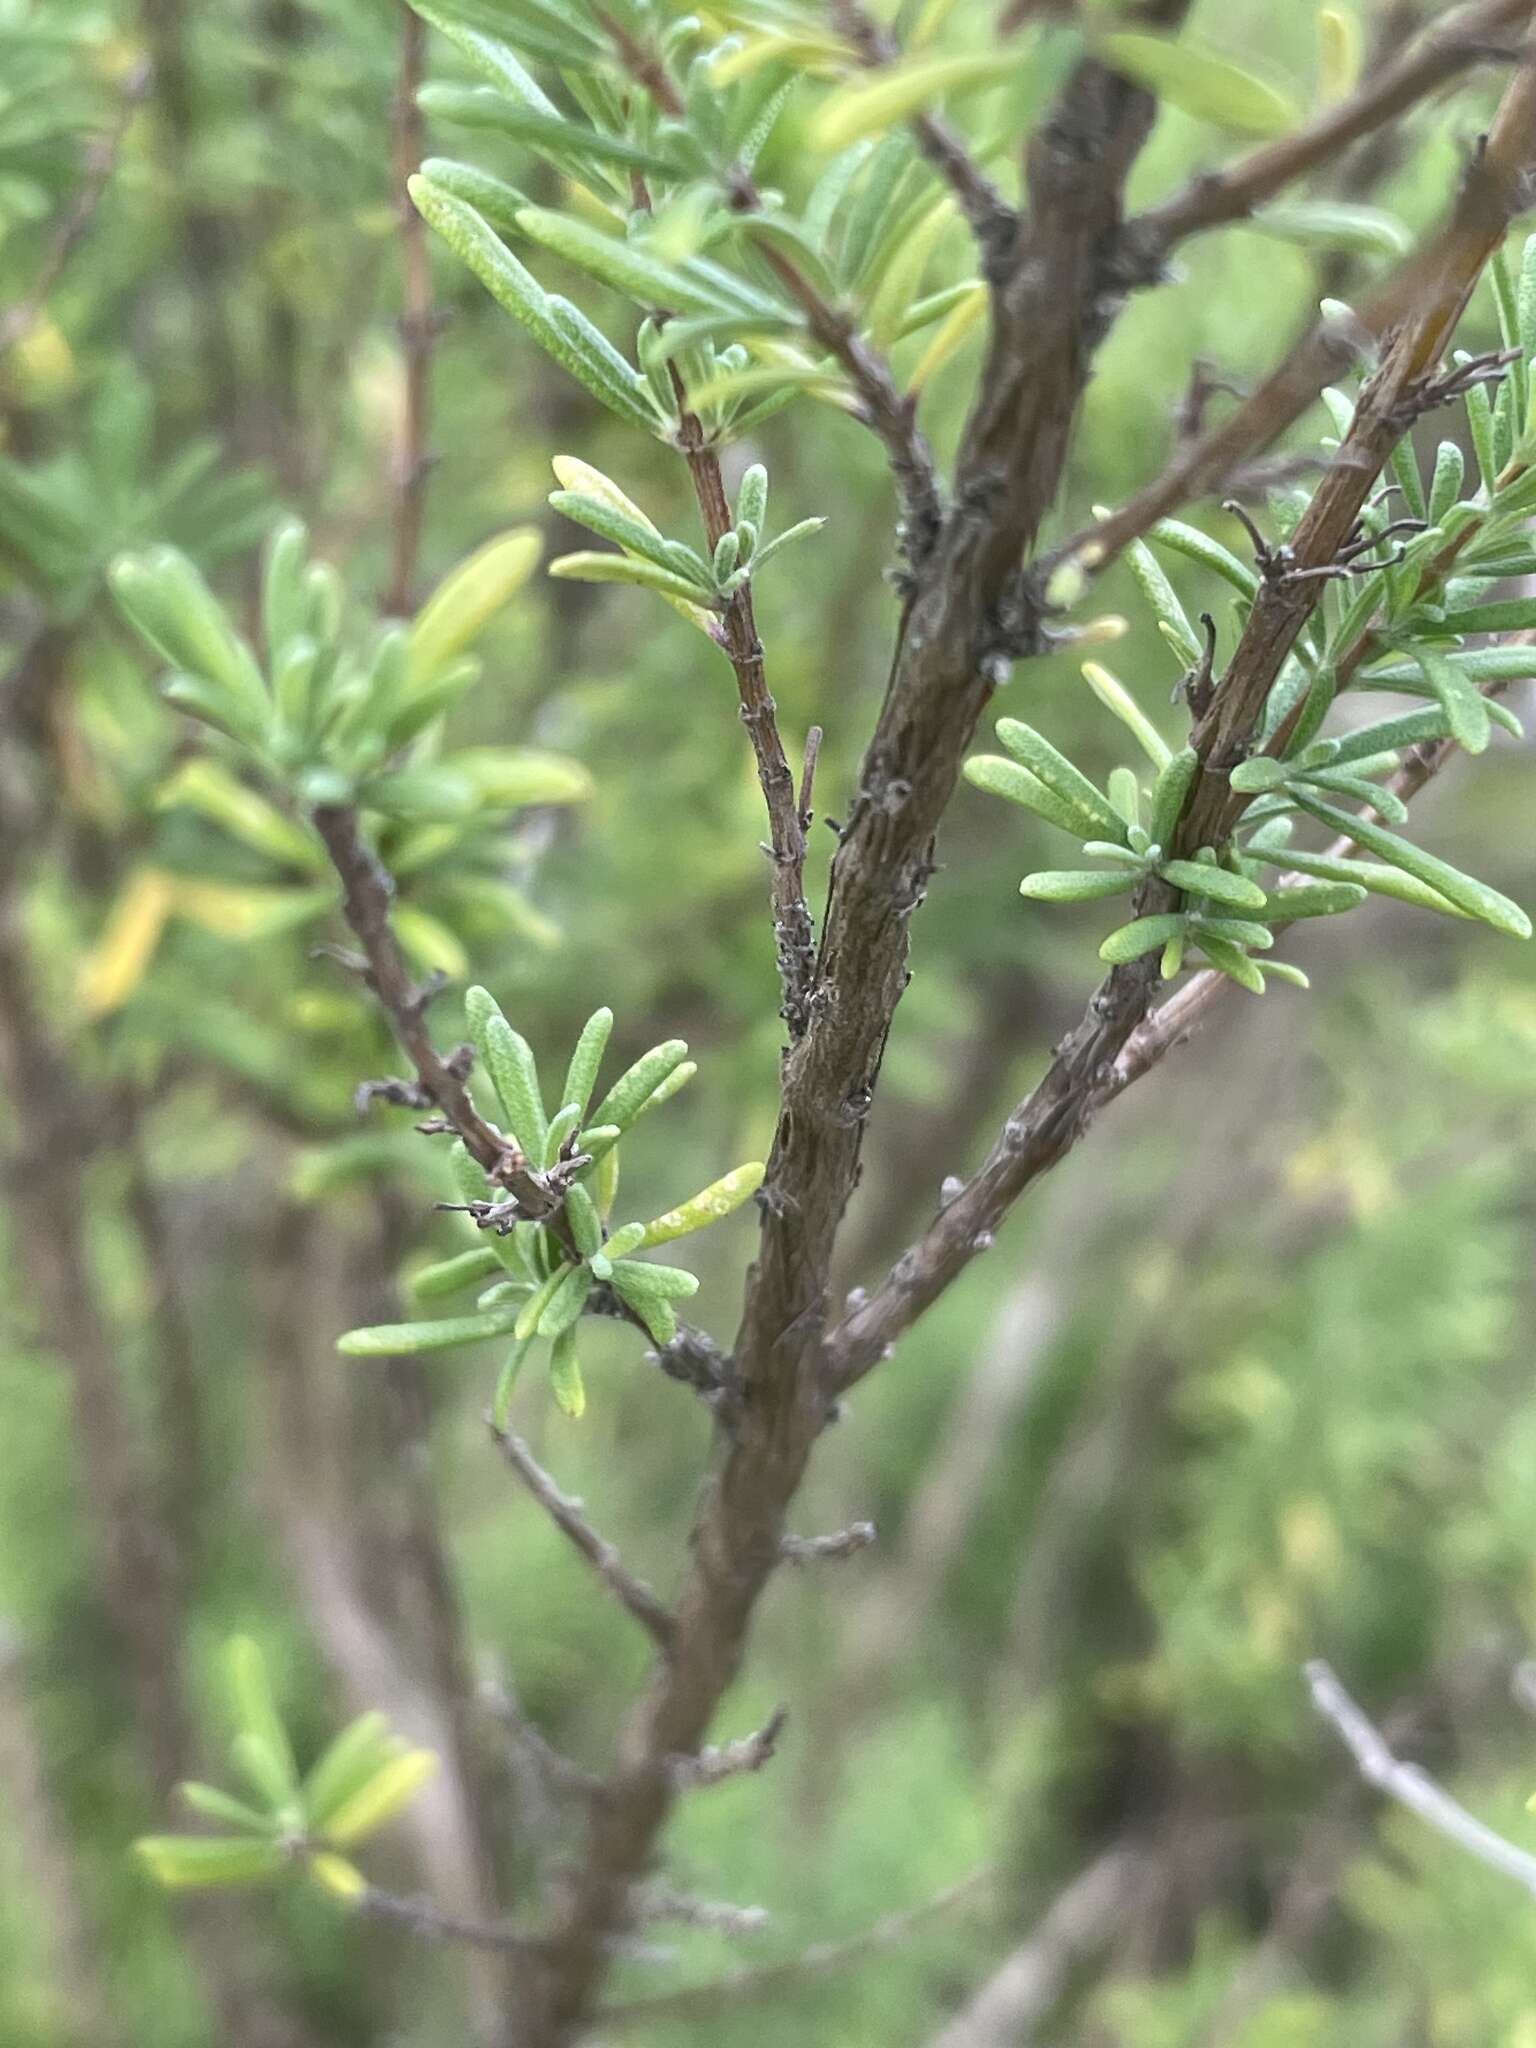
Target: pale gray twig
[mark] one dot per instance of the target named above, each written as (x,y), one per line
(632,1594)
(1412,1787)
(729,1759)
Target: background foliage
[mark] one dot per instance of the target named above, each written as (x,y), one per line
(1248,1383)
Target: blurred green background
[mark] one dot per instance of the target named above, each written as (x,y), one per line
(1248,1381)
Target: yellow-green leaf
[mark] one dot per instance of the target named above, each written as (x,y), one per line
(466,601)
(706,1207)
(185,1862)
(873,102)
(208,787)
(337,1875)
(381,1798)
(121,957)
(1201,82)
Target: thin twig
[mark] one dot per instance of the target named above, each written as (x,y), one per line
(74,224)
(1222,196)
(1412,1787)
(367,897)
(653,1902)
(794,934)
(632,1594)
(741,1987)
(730,1759)
(820,1549)
(422,1918)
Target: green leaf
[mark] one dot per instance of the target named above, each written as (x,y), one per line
(1445,487)
(508,777)
(1201,82)
(490,56)
(255,1708)
(216,1805)
(266,1767)
(1233,962)
(492,198)
(637,1084)
(626,267)
(650,1291)
(1115,697)
(1261,773)
(1478,664)
(565,1377)
(1375,879)
(997,776)
(1141,935)
(799,531)
(1334,224)
(1315,899)
(403,1340)
(581,1075)
(206,786)
(566,1302)
(586,1225)
(284,604)
(570,144)
(1360,790)
(508,1059)
(187,1862)
(1162,597)
(1076,885)
(1068,784)
(1468,894)
(1514,615)
(1170,794)
(1199,547)
(506,1380)
(521,295)
(451,1276)
(601,516)
(587,567)
(527,1322)
(708,1206)
(166,600)
(347,1763)
(1199,878)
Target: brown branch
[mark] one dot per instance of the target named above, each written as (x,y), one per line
(74,224)
(1051,313)
(632,1594)
(411,462)
(742,1987)
(1217,198)
(1083,1076)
